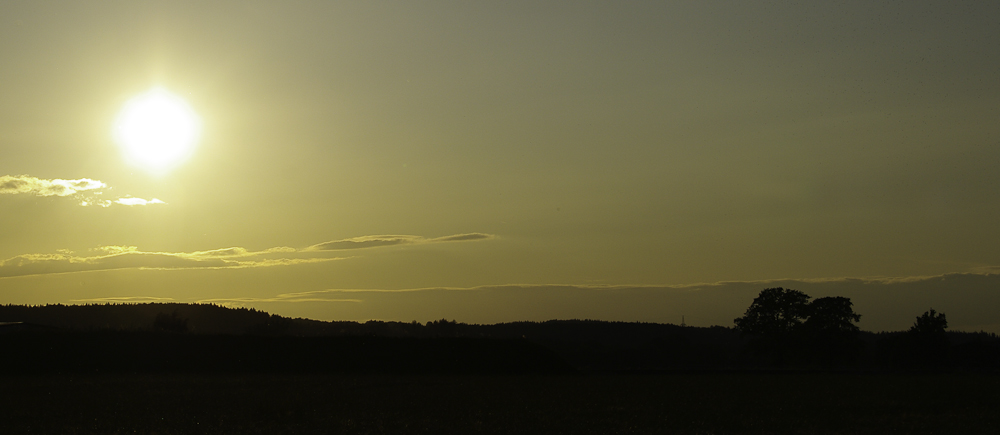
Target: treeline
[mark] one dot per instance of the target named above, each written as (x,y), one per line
(829,341)
(196,318)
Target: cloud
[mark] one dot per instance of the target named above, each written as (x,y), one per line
(23,184)
(115,249)
(130,257)
(85,190)
(137,201)
(364,242)
(238,252)
(390,240)
(277,262)
(111,257)
(125,300)
(291,297)
(463,237)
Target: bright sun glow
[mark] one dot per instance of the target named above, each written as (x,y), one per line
(157,130)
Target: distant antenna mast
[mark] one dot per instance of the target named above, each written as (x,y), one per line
(682,322)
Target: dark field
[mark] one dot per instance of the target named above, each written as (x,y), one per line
(597,404)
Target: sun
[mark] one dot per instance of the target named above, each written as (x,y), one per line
(157,130)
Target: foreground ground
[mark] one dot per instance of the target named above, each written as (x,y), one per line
(572,404)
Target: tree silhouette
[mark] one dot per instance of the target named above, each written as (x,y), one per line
(773,320)
(785,325)
(775,313)
(830,333)
(927,342)
(832,315)
(930,323)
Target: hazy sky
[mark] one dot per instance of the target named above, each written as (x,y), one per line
(510,160)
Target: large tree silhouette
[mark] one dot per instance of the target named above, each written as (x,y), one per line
(785,325)
(832,315)
(830,335)
(775,313)
(773,320)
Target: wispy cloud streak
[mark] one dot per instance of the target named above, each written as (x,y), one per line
(391,240)
(125,300)
(292,297)
(130,257)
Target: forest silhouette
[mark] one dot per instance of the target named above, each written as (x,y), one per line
(781,330)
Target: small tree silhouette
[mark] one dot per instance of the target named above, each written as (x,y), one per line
(927,341)
(930,323)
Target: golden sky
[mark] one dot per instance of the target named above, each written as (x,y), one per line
(501,161)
